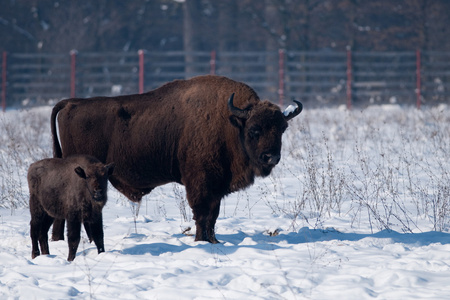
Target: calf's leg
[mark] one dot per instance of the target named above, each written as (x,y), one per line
(58,230)
(37,218)
(87,228)
(97,234)
(35,226)
(43,233)
(73,237)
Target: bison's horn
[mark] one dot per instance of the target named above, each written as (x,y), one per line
(289,113)
(240,113)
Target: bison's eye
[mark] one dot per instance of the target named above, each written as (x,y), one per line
(254,132)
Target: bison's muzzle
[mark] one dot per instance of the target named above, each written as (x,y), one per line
(98,195)
(270,159)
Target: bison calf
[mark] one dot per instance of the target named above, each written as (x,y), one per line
(74,189)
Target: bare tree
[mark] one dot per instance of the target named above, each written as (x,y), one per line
(227,31)
(191,33)
(226,25)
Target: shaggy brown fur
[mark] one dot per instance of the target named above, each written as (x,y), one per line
(74,189)
(185,131)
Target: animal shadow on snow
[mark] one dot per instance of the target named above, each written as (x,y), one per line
(230,243)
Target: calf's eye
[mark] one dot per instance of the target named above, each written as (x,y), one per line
(254,133)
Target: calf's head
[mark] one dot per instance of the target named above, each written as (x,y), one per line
(96,178)
(261,127)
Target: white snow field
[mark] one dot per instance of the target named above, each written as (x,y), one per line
(358,208)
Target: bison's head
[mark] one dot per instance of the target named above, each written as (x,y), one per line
(96,178)
(261,127)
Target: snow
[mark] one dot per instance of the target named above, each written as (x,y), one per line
(356,209)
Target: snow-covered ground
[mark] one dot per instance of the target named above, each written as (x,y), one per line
(357,209)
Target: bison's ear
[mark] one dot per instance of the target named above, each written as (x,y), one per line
(110,168)
(80,172)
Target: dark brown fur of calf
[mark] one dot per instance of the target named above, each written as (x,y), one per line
(74,189)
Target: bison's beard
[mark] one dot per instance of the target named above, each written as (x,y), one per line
(264,170)
(261,169)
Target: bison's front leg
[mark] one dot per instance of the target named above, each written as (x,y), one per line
(204,227)
(205,210)
(211,223)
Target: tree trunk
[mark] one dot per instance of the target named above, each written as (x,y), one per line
(274,42)
(228,40)
(191,34)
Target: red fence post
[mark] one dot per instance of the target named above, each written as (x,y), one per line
(4,82)
(141,71)
(349,78)
(73,66)
(418,79)
(212,63)
(280,76)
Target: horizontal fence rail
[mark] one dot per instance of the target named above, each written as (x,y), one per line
(314,77)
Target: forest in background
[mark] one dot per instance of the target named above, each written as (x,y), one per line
(51,26)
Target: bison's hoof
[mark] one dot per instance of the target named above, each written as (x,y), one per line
(209,240)
(213,241)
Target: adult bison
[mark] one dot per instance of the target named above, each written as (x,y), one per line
(209,133)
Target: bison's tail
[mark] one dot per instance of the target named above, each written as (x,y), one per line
(57,152)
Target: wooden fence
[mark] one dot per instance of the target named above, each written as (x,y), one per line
(316,78)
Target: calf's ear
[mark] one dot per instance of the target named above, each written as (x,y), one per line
(80,172)
(110,168)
